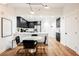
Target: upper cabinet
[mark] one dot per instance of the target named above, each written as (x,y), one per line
(22,23)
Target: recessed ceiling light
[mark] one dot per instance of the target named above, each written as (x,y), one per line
(32,12)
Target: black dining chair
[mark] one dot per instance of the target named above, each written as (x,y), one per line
(17,40)
(30,45)
(19,44)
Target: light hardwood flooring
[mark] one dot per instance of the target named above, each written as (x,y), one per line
(57,49)
(53,48)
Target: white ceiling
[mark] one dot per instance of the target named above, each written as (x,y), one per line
(34,5)
(54,8)
(23,8)
(51,5)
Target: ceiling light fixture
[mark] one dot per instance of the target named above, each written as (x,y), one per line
(45,6)
(31,10)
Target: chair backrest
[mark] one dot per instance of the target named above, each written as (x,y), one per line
(45,39)
(29,44)
(17,39)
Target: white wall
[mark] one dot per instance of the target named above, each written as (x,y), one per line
(70,25)
(9,13)
(49,25)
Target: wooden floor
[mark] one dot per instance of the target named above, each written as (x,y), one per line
(54,48)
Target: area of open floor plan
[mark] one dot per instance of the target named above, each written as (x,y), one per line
(39,29)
